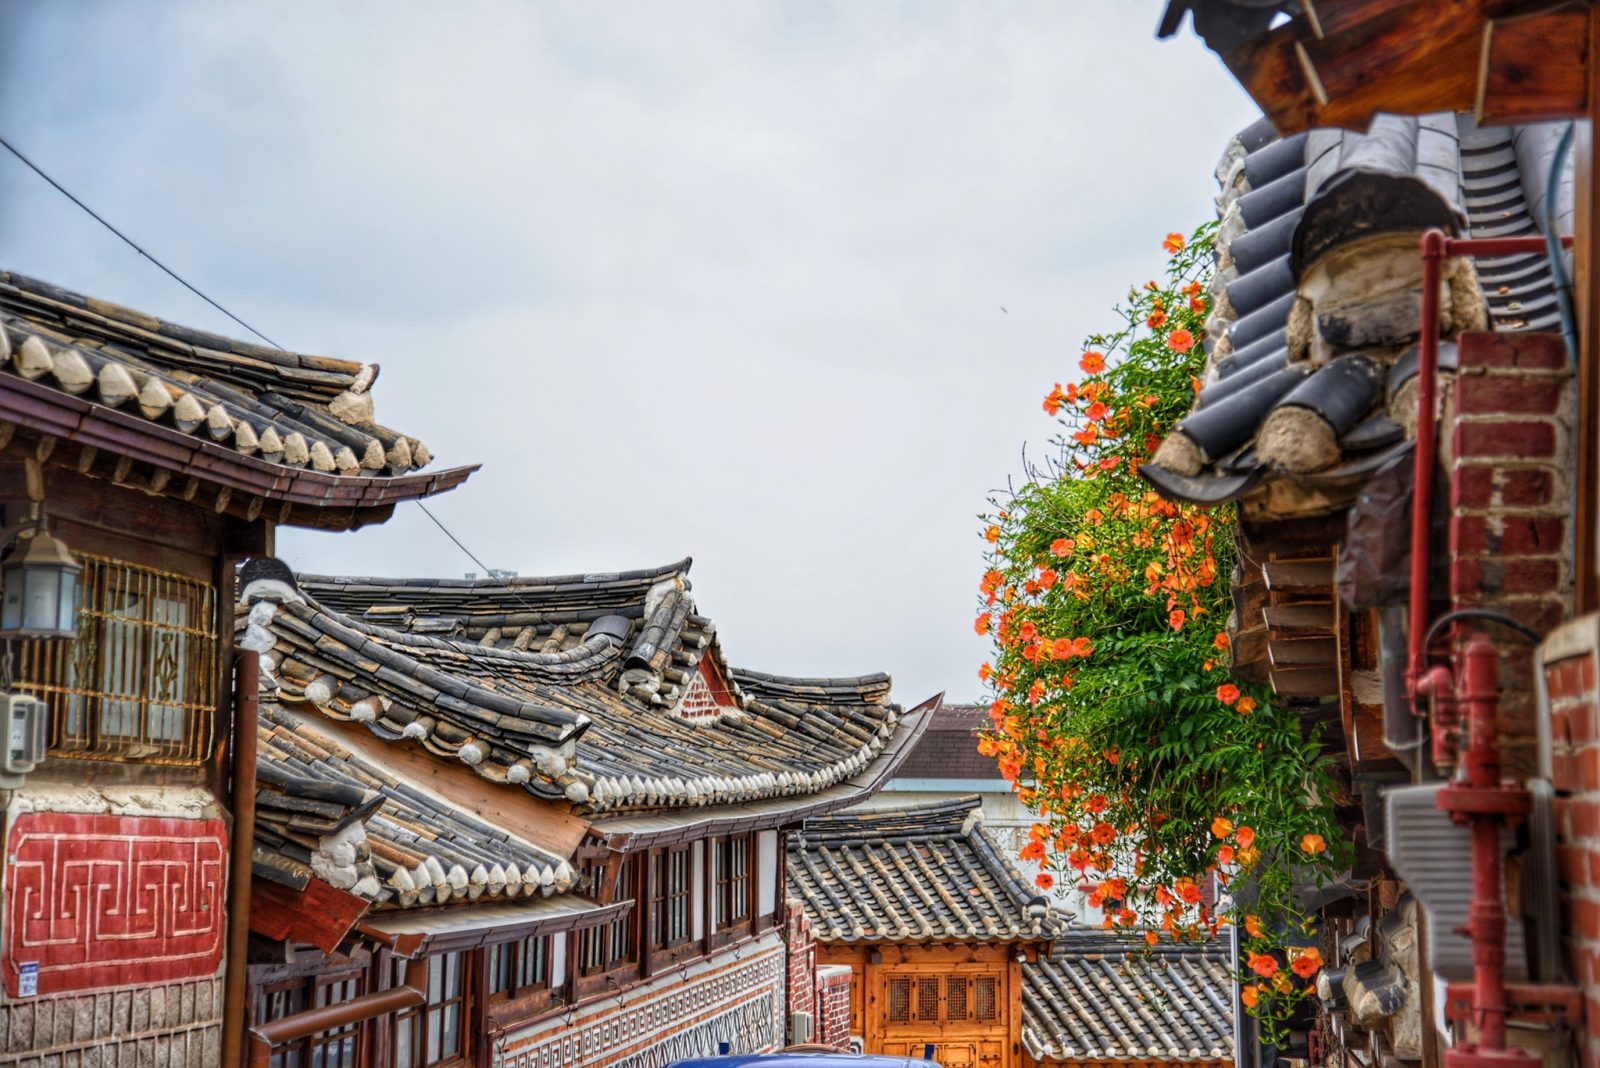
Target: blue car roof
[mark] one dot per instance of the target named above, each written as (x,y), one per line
(803,1060)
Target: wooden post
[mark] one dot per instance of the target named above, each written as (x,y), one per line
(1586,294)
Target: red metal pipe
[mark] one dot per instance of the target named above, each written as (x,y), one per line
(1479,798)
(1434,244)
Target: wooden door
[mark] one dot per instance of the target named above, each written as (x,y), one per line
(963,1009)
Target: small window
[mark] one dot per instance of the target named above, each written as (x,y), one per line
(671,889)
(435,1033)
(140,682)
(986,999)
(518,968)
(337,1048)
(615,944)
(928,999)
(731,898)
(955,998)
(899,999)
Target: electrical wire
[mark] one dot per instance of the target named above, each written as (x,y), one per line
(131,243)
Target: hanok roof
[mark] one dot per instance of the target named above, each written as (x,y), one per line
(1321,394)
(263,423)
(324,812)
(923,873)
(949,747)
(607,690)
(1098,996)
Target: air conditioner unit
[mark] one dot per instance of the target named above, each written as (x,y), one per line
(799,1028)
(27,726)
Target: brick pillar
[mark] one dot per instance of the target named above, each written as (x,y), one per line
(833,1005)
(1571,667)
(1510,465)
(802,972)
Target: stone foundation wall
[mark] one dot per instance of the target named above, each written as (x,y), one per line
(177,1025)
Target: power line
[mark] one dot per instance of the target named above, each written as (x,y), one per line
(103,221)
(132,243)
(487,570)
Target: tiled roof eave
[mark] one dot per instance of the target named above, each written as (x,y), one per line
(50,411)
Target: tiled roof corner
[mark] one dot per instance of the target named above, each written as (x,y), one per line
(290,409)
(324,812)
(922,873)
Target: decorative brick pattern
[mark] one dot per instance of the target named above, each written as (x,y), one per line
(1571,668)
(735,997)
(97,900)
(177,1024)
(1510,463)
(833,1005)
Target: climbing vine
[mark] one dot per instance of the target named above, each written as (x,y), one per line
(1113,715)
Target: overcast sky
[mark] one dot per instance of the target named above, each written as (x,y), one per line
(692,278)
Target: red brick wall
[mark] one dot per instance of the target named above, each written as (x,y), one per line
(1570,669)
(802,995)
(1510,461)
(833,1005)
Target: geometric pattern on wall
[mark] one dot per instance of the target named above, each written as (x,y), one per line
(99,901)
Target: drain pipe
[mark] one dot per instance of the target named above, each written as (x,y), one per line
(1434,244)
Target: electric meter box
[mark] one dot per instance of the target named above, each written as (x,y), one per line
(26,720)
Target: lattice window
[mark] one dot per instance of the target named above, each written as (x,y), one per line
(955,998)
(140,682)
(899,999)
(986,999)
(928,999)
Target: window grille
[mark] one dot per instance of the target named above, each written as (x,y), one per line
(986,999)
(899,999)
(955,998)
(732,897)
(928,999)
(140,682)
(670,895)
(612,944)
(518,967)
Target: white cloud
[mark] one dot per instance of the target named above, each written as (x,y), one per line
(712,278)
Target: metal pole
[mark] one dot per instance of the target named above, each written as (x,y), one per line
(1433,253)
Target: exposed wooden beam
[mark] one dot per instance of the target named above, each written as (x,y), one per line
(1534,68)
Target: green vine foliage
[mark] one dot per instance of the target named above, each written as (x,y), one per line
(1113,713)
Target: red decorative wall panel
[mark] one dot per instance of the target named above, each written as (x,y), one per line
(113,900)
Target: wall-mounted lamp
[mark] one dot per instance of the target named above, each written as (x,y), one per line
(38,583)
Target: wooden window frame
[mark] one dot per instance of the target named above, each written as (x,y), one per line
(720,931)
(613,971)
(71,676)
(468,1019)
(661,898)
(517,1005)
(311,986)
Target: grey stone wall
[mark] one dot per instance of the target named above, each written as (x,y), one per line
(178,1025)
